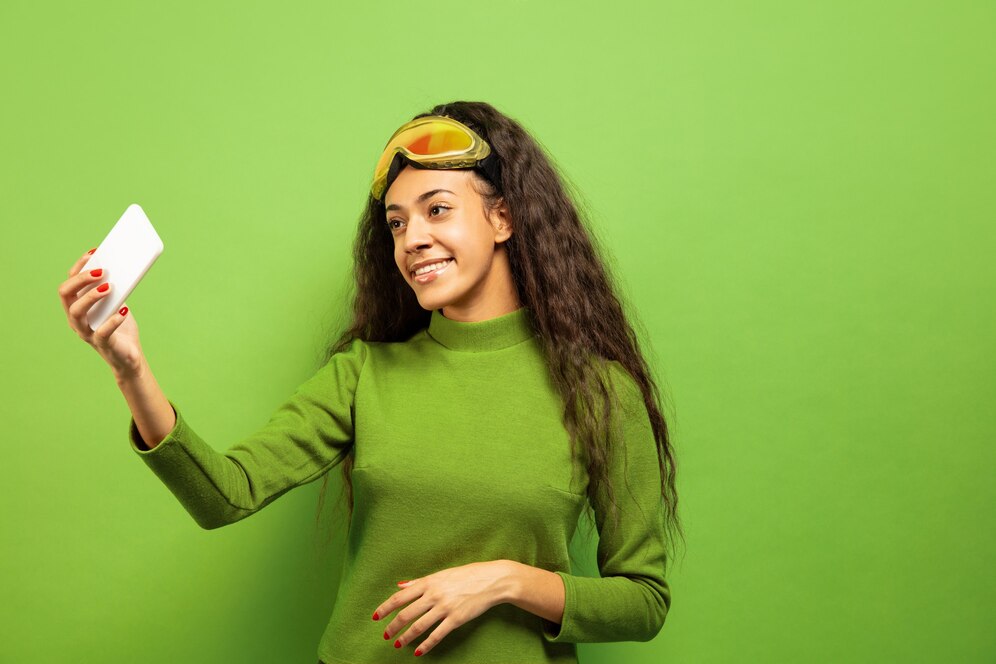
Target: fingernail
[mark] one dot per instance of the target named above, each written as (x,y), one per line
(386,637)
(123,311)
(92,250)
(418,653)
(397,644)
(103,287)
(401,583)
(376,617)
(97,272)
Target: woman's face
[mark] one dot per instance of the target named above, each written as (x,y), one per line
(436,215)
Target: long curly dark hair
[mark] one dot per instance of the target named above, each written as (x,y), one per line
(559,275)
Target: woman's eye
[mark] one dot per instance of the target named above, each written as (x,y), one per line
(390,222)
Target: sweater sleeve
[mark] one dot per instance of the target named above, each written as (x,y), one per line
(631,598)
(311,432)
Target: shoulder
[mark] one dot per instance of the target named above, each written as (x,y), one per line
(355,348)
(379,355)
(350,357)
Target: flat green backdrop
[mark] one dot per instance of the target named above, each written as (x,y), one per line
(798,201)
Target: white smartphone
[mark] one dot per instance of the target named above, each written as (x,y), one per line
(126,254)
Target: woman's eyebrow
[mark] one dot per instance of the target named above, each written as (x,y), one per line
(420,199)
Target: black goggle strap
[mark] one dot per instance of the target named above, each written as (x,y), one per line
(489,167)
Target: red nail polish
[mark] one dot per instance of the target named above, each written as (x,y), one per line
(92,250)
(376,617)
(418,653)
(123,311)
(103,288)
(96,273)
(386,637)
(397,644)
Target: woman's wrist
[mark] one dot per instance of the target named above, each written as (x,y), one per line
(537,591)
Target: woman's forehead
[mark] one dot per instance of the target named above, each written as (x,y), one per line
(413,183)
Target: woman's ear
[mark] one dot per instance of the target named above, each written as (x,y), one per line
(503,229)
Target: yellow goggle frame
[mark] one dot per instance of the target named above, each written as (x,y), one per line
(433,141)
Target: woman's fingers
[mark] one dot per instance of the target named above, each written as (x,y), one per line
(122,352)
(78,265)
(106,329)
(69,288)
(79,308)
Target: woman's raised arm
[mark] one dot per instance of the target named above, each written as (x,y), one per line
(308,434)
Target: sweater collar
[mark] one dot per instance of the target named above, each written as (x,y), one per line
(484,335)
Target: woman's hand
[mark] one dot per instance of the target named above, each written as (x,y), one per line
(121,351)
(455,595)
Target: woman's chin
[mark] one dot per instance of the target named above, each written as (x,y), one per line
(431,302)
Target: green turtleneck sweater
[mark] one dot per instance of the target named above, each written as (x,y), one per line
(460,456)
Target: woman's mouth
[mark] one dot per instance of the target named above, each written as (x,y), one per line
(432,275)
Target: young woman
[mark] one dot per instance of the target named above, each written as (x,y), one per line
(488,391)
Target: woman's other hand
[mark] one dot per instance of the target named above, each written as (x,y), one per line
(450,597)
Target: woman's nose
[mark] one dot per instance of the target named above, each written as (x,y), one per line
(417,234)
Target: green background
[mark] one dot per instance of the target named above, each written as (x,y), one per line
(798,201)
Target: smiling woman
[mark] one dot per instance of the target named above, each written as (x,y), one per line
(477,281)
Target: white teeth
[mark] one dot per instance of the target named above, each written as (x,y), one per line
(430,268)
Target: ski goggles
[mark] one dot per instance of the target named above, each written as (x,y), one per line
(435,141)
